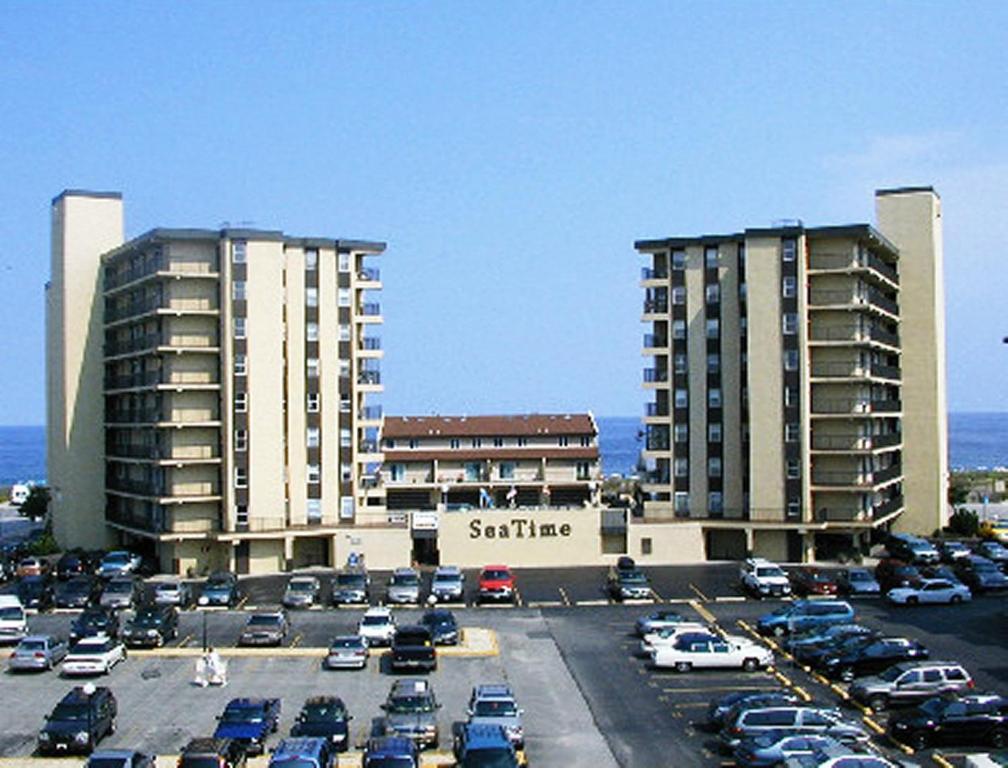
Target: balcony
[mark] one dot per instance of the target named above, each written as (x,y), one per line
(853,406)
(133,416)
(370,309)
(658,441)
(854,370)
(862,260)
(368,446)
(655,375)
(656,307)
(370,413)
(369,377)
(369,275)
(131,451)
(855,478)
(656,409)
(370,343)
(160,265)
(655,341)
(149,341)
(180,454)
(133,380)
(886,508)
(654,273)
(118,312)
(873,297)
(854,442)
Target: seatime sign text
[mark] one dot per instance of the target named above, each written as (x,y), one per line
(518,528)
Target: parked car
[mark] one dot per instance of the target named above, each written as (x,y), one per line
(413,648)
(892,573)
(995,552)
(212,753)
(656,620)
(266,628)
(72,564)
(324,717)
(857,582)
(668,636)
(871,658)
(442,625)
(172,591)
(912,549)
(813,653)
(477,746)
(94,621)
(151,627)
(301,592)
(910,683)
(774,747)
(118,563)
(121,592)
(411,711)
(347,651)
(403,587)
(93,656)
(980,574)
(377,626)
(494,704)
(390,752)
(120,758)
(303,753)
(628,585)
(720,708)
(81,719)
(448,584)
(747,723)
(803,615)
(823,635)
(32,566)
(220,589)
(950,551)
(702,650)
(496,583)
(812,581)
(13,621)
(762,578)
(77,592)
(946,572)
(249,722)
(968,720)
(930,591)
(352,586)
(35,592)
(36,653)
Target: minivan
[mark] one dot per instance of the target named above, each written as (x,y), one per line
(745,723)
(803,615)
(302,752)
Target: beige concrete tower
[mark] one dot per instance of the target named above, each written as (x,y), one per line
(911,218)
(84,226)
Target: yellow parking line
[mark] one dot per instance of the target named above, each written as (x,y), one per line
(704,613)
(241,603)
(696,589)
(941,760)
(657,597)
(185,640)
(871,723)
(296,641)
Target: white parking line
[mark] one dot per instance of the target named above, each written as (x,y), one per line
(593,602)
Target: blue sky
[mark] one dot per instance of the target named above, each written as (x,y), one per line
(510,154)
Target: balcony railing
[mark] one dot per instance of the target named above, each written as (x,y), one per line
(137,344)
(658,478)
(655,306)
(131,451)
(370,309)
(849,442)
(126,381)
(861,260)
(370,342)
(873,296)
(857,478)
(880,300)
(132,308)
(368,446)
(884,337)
(658,441)
(883,268)
(179,453)
(369,377)
(370,413)
(654,273)
(887,507)
(652,375)
(655,409)
(161,263)
(854,370)
(138,487)
(887,474)
(656,341)
(134,416)
(855,405)
(369,274)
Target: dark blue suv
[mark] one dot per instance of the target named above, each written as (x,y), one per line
(391,752)
(302,753)
(484,746)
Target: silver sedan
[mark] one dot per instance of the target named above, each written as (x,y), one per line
(37,653)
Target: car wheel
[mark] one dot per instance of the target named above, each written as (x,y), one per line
(878,703)
(911,601)
(750,665)
(998,739)
(918,740)
(683,666)
(956,599)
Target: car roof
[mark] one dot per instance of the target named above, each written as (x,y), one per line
(76,694)
(452,570)
(121,754)
(313,700)
(38,638)
(206,744)
(410,685)
(492,690)
(390,745)
(9,601)
(404,570)
(298,746)
(496,568)
(479,735)
(378,610)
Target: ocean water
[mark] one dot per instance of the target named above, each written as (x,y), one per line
(976,441)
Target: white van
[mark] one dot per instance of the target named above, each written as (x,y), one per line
(13,622)
(19,494)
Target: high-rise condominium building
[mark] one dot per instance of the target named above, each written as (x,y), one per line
(208,393)
(798,382)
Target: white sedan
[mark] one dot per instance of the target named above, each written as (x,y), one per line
(668,635)
(704,650)
(94,656)
(930,591)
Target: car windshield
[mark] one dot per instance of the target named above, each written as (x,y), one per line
(242,715)
(118,588)
(219,581)
(90,618)
(292,762)
(116,558)
(189,761)
(146,620)
(389,762)
(891,674)
(405,579)
(375,621)
(12,613)
(769,572)
(496,708)
(322,713)
(86,647)
(934,707)
(105,762)
(70,712)
(301,586)
(446,577)
(633,577)
(167,587)
(75,586)
(819,577)
(350,580)
(859,576)
(496,574)
(489,758)
(264,621)
(405,705)
(32,645)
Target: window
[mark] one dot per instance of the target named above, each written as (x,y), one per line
(681,467)
(344,333)
(506,470)
(715,502)
(238,290)
(794,508)
(239,365)
(472,471)
(585,441)
(313,402)
(681,502)
(397,472)
(241,402)
(788,250)
(311,331)
(345,438)
(311,259)
(679,260)
(791,360)
(239,327)
(713,363)
(343,297)
(712,293)
(645,545)
(346,472)
(344,404)
(313,510)
(240,440)
(522,442)
(346,511)
(414,443)
(790,396)
(344,368)
(679,295)
(681,398)
(312,367)
(793,469)
(789,287)
(453,443)
(743,325)
(790,323)
(312,474)
(678,329)
(743,291)
(476,442)
(713,467)
(498,442)
(713,328)
(311,297)
(714,398)
(390,442)
(714,432)
(680,433)
(312,437)
(241,514)
(238,254)
(679,363)
(240,477)
(583,470)
(563,441)
(344,262)
(791,432)
(711,257)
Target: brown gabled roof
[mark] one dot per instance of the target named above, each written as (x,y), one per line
(523,425)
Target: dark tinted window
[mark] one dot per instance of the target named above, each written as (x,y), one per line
(814,718)
(932,676)
(775,718)
(955,674)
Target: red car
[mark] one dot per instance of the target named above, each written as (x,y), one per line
(496,582)
(812,581)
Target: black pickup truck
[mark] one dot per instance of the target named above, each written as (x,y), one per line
(413,648)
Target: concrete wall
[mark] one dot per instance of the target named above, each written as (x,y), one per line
(671,543)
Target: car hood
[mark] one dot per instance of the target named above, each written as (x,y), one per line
(418,720)
(399,589)
(503,722)
(241,730)
(320,729)
(63,727)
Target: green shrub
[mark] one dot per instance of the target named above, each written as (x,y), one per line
(964,523)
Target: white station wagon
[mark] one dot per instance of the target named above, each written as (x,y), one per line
(703,650)
(930,591)
(93,656)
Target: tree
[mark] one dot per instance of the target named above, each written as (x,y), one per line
(964,523)
(37,503)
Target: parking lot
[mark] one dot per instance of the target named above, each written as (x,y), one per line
(567,651)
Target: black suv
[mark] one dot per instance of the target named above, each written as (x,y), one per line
(975,719)
(151,626)
(200,753)
(872,657)
(77,592)
(82,718)
(324,717)
(94,621)
(35,592)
